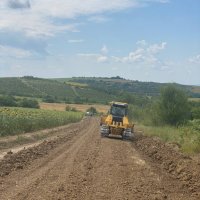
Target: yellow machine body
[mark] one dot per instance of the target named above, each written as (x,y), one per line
(116,122)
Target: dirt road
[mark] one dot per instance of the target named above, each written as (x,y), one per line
(82,165)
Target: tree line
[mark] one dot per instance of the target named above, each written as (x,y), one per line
(11,101)
(172,107)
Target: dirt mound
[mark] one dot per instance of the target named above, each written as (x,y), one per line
(176,164)
(19,160)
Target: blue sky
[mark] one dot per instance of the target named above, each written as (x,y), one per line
(147,40)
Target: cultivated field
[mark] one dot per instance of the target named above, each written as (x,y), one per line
(79,107)
(22,120)
(194,99)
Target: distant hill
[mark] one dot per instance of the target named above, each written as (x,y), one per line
(40,88)
(34,87)
(84,90)
(116,85)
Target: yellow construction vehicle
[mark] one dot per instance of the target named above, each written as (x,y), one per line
(116,122)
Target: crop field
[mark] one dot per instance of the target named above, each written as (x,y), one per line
(78,107)
(194,99)
(196,89)
(81,85)
(22,120)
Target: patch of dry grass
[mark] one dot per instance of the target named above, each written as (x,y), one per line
(196,89)
(194,99)
(79,107)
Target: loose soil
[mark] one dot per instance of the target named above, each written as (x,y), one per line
(79,164)
(16,142)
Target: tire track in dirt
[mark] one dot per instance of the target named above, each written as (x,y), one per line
(17,184)
(82,165)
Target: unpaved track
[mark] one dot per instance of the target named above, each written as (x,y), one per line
(83,165)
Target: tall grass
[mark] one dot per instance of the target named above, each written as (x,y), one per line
(187,136)
(22,120)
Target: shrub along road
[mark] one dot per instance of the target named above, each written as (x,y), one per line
(82,165)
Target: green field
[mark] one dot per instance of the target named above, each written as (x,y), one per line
(21,120)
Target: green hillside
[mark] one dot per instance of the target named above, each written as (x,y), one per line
(115,85)
(35,87)
(85,90)
(58,90)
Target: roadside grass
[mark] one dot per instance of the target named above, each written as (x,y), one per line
(39,136)
(21,139)
(22,120)
(186,137)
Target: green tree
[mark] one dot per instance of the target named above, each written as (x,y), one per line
(8,101)
(29,103)
(173,106)
(49,99)
(92,110)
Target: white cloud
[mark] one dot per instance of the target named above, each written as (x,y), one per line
(75,41)
(96,57)
(146,54)
(195,59)
(98,19)
(19,4)
(155,1)
(88,55)
(72,9)
(104,49)
(102,59)
(31,24)
(7,51)
(161,1)
(141,43)
(40,18)
(156,48)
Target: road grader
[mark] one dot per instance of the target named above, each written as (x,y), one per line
(116,122)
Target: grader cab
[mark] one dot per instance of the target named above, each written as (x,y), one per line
(116,123)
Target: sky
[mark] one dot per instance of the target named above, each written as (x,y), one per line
(145,40)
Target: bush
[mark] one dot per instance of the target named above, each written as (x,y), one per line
(68,108)
(29,103)
(8,101)
(49,99)
(173,106)
(196,113)
(74,110)
(92,110)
